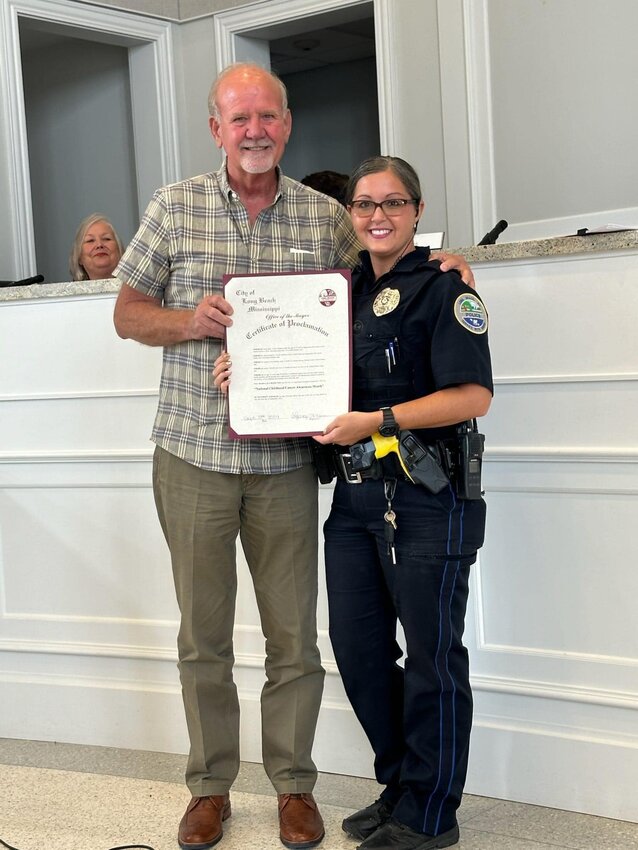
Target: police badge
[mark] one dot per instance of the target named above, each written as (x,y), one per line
(386,301)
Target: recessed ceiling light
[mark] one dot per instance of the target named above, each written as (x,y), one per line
(307,44)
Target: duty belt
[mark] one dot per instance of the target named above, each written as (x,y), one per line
(378,470)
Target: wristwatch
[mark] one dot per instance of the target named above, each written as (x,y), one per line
(389,426)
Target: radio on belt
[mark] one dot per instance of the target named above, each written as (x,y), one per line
(470,447)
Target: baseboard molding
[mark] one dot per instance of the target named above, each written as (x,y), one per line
(561,771)
(509,760)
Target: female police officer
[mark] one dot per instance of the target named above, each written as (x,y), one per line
(395,549)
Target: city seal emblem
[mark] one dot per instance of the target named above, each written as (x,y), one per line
(470,313)
(386,301)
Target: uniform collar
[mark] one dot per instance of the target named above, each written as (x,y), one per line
(406,264)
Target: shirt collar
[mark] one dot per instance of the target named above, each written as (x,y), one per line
(406,264)
(228,192)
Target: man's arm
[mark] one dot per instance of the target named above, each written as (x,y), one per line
(143,318)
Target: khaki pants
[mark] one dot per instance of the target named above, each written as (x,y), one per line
(201,513)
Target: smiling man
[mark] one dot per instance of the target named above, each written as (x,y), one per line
(209,489)
(247,217)
(250,121)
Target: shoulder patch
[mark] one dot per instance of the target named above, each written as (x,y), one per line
(470,313)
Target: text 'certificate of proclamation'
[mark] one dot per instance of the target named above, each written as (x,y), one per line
(290,348)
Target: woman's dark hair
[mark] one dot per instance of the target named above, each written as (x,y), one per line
(376,164)
(331,183)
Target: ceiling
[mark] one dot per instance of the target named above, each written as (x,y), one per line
(341,42)
(291,50)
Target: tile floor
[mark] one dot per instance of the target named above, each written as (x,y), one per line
(70,797)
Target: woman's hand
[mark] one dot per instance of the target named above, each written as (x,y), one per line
(222,371)
(349,428)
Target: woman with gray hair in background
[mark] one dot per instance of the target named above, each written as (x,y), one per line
(96,249)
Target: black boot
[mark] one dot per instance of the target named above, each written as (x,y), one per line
(364,822)
(397,836)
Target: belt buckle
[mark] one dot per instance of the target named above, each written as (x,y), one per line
(349,474)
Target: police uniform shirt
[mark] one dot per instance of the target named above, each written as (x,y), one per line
(416,330)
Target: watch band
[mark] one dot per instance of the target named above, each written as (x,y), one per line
(389,427)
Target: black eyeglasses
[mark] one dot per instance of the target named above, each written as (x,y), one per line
(391,206)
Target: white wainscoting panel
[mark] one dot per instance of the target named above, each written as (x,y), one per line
(88,619)
(551,624)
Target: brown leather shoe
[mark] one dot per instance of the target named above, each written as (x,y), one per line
(300,824)
(201,825)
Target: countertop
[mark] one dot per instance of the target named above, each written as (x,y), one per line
(601,242)
(557,246)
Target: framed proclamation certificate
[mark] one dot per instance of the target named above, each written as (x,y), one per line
(290,345)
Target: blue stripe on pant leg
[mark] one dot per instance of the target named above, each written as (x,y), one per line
(443,717)
(447,717)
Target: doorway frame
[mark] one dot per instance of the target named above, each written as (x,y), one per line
(149,39)
(232,26)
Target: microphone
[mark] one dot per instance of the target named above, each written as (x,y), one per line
(38,278)
(491,237)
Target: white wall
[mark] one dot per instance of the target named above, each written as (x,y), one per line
(550,126)
(419,133)
(195,71)
(564,116)
(81,156)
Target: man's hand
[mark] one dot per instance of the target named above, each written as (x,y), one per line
(211,318)
(456,262)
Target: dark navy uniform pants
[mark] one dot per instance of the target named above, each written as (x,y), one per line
(417,717)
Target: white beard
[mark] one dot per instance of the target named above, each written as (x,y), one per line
(258,162)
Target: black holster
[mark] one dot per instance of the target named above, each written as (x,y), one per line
(323,460)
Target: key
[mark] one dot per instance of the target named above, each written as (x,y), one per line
(390,517)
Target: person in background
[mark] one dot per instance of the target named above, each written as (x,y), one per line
(245,218)
(331,183)
(96,249)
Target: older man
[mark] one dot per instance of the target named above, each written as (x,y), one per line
(247,217)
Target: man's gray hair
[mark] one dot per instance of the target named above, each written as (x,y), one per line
(250,68)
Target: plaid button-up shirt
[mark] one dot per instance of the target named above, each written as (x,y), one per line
(193,233)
